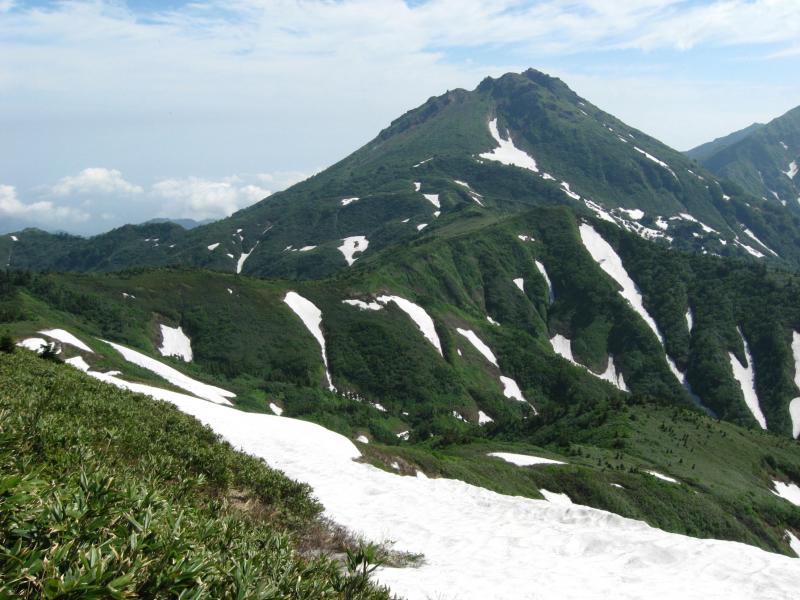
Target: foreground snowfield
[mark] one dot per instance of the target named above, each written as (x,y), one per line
(480,545)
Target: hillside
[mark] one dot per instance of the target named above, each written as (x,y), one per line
(703,151)
(515,142)
(457,342)
(106,493)
(764,162)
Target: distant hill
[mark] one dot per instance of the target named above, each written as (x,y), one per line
(703,151)
(185,223)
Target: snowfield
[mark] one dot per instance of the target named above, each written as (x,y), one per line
(746,378)
(311,317)
(508,154)
(421,318)
(525,460)
(478,544)
(175,377)
(352,245)
(175,343)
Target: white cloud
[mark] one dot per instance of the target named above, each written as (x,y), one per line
(46,211)
(95,180)
(204,199)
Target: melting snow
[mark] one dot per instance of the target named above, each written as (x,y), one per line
(794,405)
(550,295)
(689,319)
(787,491)
(749,249)
(611,375)
(65,337)
(14,238)
(213,246)
(525,460)
(656,160)
(363,305)
(479,345)
(433,199)
(793,170)
(479,544)
(417,186)
(605,256)
(691,219)
(511,389)
(662,477)
(599,211)
(243,257)
(422,162)
(785,147)
(78,363)
(520,283)
(421,226)
(746,378)
(346,201)
(34,344)
(311,317)
(483,418)
(175,377)
(508,154)
(363,439)
(794,542)
(758,241)
(555,498)
(492,321)
(275,409)
(563,347)
(421,318)
(633,213)
(352,245)
(568,192)
(175,343)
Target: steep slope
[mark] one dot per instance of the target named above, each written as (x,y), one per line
(703,151)
(518,141)
(765,161)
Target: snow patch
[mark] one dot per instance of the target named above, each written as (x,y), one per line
(792,171)
(417,186)
(520,283)
(14,238)
(352,245)
(78,362)
(662,477)
(421,226)
(346,201)
(511,389)
(689,319)
(568,192)
(433,199)
(363,305)
(656,160)
(794,405)
(422,162)
(555,498)
(275,409)
(508,154)
(421,318)
(746,378)
(35,344)
(492,321)
(611,375)
(633,213)
(550,296)
(787,491)
(174,342)
(758,241)
(175,377)
(563,347)
(243,257)
(525,460)
(363,439)
(213,246)
(65,337)
(311,317)
(478,344)
(483,418)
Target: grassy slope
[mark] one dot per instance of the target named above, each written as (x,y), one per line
(105,493)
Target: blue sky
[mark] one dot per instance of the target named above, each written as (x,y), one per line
(114,111)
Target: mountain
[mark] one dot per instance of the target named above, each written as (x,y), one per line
(764,162)
(703,151)
(185,223)
(516,142)
(507,287)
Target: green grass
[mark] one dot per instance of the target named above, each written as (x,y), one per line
(109,494)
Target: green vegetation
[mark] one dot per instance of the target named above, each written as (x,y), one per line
(108,494)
